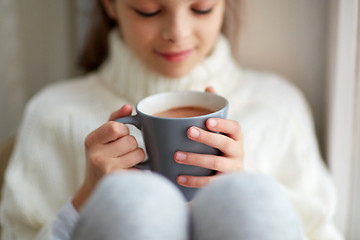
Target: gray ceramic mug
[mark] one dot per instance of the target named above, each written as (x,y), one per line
(165,136)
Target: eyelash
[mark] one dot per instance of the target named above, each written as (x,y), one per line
(152,14)
(202,12)
(147,15)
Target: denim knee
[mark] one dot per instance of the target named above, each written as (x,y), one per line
(244,206)
(134,205)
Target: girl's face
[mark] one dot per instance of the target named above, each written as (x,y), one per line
(169,36)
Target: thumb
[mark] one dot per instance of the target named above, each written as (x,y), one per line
(125,110)
(210,89)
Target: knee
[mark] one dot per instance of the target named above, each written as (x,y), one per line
(248,201)
(243,185)
(144,204)
(135,186)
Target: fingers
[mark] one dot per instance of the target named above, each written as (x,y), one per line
(218,163)
(125,110)
(226,145)
(213,162)
(110,131)
(210,90)
(106,133)
(229,127)
(110,147)
(120,154)
(194,182)
(128,160)
(230,143)
(121,146)
(102,164)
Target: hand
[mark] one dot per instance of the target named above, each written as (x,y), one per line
(230,143)
(109,148)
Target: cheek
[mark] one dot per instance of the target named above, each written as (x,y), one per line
(210,32)
(208,40)
(140,32)
(138,36)
(130,29)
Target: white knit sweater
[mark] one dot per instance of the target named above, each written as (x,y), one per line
(48,163)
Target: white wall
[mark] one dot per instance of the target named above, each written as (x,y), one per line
(37,38)
(289,38)
(344,114)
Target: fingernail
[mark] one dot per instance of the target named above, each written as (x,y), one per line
(180,156)
(212,122)
(181,179)
(194,133)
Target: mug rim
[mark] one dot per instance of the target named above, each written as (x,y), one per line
(224,104)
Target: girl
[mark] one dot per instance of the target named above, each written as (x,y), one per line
(279,190)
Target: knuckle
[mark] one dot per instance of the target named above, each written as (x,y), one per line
(140,153)
(237,127)
(241,161)
(97,161)
(118,128)
(113,127)
(216,164)
(240,166)
(227,145)
(130,141)
(88,142)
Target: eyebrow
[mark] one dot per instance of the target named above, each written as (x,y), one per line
(162,1)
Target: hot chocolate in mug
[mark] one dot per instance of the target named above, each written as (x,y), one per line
(164,120)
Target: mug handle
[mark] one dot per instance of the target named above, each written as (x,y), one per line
(135,120)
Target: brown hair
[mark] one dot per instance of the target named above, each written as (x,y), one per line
(232,24)
(96,46)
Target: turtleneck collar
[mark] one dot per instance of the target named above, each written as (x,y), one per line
(131,79)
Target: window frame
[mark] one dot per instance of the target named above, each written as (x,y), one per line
(343,125)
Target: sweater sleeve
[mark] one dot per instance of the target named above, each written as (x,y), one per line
(301,169)
(42,173)
(65,222)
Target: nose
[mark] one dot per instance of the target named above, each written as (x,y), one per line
(176,28)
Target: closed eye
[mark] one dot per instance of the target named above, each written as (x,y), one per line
(147,14)
(203,12)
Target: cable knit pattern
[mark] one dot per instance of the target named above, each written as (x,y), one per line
(48,164)
(132,74)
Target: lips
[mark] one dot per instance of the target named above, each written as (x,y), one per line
(175,56)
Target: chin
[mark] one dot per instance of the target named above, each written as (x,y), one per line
(174,72)
(173,75)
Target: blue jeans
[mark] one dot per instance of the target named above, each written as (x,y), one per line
(146,206)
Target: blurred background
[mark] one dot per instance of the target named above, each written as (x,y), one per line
(40,40)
